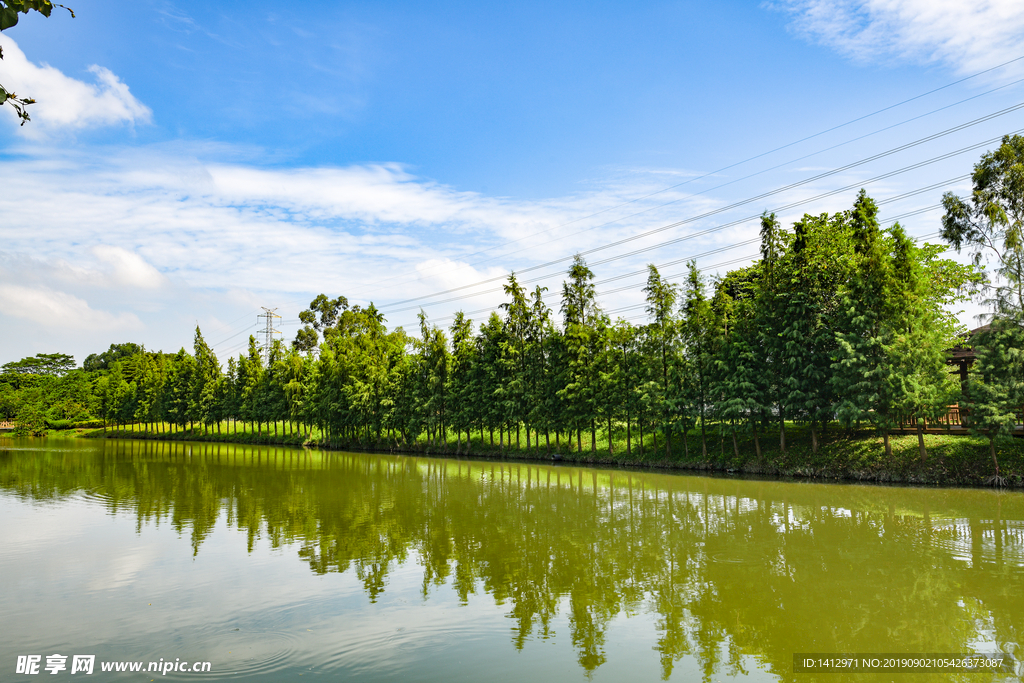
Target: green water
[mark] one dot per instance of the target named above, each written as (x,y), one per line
(276,564)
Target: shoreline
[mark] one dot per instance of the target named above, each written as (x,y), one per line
(954,461)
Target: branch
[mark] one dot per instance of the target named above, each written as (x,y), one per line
(19,103)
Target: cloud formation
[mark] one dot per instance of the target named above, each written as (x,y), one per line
(968,36)
(55,309)
(66,103)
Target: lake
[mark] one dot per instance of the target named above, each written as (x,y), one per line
(274,563)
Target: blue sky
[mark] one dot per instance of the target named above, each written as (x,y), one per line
(187,164)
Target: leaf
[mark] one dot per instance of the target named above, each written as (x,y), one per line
(8,18)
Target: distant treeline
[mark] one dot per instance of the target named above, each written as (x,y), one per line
(839,323)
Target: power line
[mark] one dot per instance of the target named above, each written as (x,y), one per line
(708,231)
(737,180)
(890,221)
(761,196)
(763,154)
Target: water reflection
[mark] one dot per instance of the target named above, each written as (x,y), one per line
(738,574)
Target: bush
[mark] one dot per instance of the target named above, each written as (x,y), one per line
(30,421)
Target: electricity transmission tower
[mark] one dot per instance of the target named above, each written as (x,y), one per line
(268,331)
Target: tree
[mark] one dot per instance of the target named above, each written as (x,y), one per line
(663,331)
(920,381)
(9,10)
(995,390)
(49,364)
(696,331)
(460,378)
(810,275)
(861,364)
(770,301)
(102,361)
(992,224)
(205,376)
(579,311)
(322,315)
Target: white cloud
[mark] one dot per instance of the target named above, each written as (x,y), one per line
(968,36)
(177,240)
(56,309)
(128,268)
(66,103)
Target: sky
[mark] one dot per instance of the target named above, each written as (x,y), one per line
(187,165)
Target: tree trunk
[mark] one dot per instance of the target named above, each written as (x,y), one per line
(593,436)
(888,446)
(735,444)
(992,450)
(782,435)
(611,450)
(629,437)
(757,439)
(920,441)
(814,438)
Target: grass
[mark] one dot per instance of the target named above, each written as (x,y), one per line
(953,459)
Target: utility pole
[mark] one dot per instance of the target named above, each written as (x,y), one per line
(268,331)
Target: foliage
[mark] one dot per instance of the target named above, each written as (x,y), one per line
(51,364)
(9,10)
(102,361)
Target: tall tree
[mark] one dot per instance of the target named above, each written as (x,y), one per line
(206,373)
(991,225)
(995,390)
(663,330)
(696,332)
(862,364)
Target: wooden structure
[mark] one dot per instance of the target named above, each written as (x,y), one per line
(963,357)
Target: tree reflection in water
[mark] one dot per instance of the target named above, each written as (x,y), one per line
(736,571)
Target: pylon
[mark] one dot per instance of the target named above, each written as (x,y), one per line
(268,332)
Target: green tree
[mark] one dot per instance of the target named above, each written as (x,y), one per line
(322,315)
(995,389)
(202,403)
(102,361)
(861,362)
(663,331)
(991,225)
(697,327)
(580,313)
(50,364)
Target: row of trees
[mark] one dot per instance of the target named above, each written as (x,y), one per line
(840,322)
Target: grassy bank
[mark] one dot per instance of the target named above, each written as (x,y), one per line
(953,460)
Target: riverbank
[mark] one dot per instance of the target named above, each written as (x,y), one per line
(952,460)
